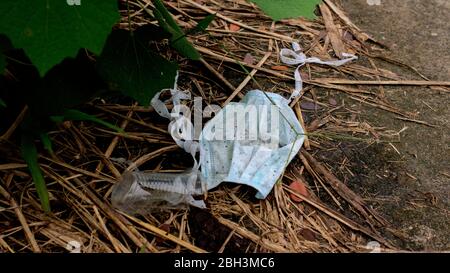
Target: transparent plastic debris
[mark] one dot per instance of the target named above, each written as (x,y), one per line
(256,161)
(141,193)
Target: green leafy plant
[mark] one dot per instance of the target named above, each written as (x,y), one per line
(129,66)
(178,39)
(283,9)
(50,31)
(62,55)
(29,154)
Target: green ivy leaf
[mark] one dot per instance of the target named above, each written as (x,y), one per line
(51,30)
(66,85)
(29,154)
(130,66)
(283,9)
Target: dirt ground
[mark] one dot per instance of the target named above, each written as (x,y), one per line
(411,186)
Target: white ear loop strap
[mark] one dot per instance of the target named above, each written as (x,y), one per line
(294,56)
(179,124)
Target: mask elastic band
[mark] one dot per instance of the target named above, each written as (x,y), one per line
(295,56)
(179,124)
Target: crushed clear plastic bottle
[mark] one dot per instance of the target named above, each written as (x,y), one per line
(141,193)
(185,183)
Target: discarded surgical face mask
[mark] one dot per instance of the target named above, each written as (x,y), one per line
(141,193)
(257,162)
(250,142)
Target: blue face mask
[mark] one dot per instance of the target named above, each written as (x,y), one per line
(232,151)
